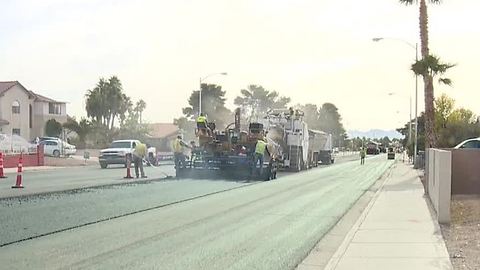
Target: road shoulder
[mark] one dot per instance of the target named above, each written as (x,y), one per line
(321,254)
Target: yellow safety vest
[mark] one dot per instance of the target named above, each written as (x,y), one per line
(260,147)
(201,119)
(177,146)
(140,150)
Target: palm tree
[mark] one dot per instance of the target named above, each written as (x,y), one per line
(427,78)
(140,107)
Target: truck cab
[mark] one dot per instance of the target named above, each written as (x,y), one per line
(116,153)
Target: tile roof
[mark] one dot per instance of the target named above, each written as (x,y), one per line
(162,130)
(39,97)
(4,86)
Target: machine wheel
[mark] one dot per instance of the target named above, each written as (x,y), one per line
(56,153)
(103,165)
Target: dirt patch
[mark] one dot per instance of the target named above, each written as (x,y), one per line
(462,236)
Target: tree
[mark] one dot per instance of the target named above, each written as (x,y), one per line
(213,105)
(53,128)
(453,125)
(312,115)
(132,126)
(139,108)
(443,108)
(255,102)
(421,134)
(82,129)
(186,127)
(427,78)
(330,121)
(456,124)
(106,102)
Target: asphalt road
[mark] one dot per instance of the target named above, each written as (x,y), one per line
(181,224)
(54,180)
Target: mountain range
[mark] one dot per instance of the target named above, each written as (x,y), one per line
(374,133)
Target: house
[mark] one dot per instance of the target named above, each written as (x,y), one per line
(24,112)
(161,135)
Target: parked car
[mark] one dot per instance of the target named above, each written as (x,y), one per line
(470,143)
(57,147)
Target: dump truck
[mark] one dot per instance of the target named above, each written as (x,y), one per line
(229,154)
(288,130)
(373,148)
(320,148)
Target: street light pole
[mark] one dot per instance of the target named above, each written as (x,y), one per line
(415,47)
(410,118)
(200,89)
(415,146)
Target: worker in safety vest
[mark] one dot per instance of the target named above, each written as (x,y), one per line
(178,149)
(139,153)
(201,121)
(362,156)
(260,149)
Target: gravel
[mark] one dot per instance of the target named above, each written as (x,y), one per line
(462,236)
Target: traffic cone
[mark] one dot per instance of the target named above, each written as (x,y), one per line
(18,184)
(2,175)
(129,164)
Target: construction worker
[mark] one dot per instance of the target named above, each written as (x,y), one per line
(178,149)
(139,153)
(260,149)
(362,156)
(202,121)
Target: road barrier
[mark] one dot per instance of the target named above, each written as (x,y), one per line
(129,165)
(2,175)
(18,184)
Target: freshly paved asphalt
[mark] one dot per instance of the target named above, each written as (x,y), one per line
(186,224)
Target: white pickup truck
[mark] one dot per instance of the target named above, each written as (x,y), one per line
(117,151)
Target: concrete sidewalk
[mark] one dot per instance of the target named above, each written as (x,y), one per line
(395,231)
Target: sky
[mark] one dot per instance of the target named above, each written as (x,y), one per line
(313,51)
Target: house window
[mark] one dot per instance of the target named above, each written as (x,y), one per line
(54,108)
(16,107)
(16,131)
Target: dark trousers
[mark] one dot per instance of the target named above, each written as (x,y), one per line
(257,159)
(179,160)
(362,160)
(138,163)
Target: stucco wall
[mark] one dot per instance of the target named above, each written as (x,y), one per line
(20,121)
(439,167)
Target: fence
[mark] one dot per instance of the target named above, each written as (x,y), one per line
(30,158)
(465,171)
(439,177)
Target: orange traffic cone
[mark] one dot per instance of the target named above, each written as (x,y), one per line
(18,184)
(2,175)
(129,164)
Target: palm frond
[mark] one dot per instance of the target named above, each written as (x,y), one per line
(445,81)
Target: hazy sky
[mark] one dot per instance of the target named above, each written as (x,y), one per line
(314,51)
